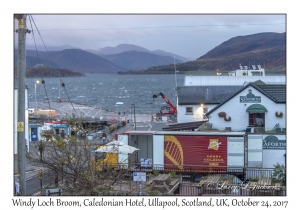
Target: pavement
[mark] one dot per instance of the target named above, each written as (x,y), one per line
(67,109)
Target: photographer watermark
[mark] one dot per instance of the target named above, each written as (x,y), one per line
(224,185)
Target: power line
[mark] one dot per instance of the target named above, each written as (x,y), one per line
(153,27)
(43,82)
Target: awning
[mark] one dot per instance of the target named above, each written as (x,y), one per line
(256,108)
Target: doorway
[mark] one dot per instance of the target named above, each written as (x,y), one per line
(257,119)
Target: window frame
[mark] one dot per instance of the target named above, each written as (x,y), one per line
(189,112)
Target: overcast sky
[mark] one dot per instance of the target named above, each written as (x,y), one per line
(190,36)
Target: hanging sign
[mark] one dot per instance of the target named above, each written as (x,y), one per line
(250,98)
(20,126)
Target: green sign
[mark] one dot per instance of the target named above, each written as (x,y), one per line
(250,98)
(272,142)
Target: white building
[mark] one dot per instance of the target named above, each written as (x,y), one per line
(200,94)
(257,105)
(194,101)
(226,80)
(244,108)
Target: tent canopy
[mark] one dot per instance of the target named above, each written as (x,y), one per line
(256,108)
(117,147)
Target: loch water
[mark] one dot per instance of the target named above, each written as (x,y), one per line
(112,92)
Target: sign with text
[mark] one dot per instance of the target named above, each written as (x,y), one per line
(272,142)
(250,98)
(139,176)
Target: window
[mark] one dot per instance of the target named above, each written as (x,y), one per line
(189,110)
(100,155)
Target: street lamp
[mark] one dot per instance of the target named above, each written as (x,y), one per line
(36,82)
(134,116)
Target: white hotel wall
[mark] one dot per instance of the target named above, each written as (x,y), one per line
(239,116)
(196,116)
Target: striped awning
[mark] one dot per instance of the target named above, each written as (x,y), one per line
(256,108)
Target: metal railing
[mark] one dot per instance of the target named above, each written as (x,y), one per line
(242,173)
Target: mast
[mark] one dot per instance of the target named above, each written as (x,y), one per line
(59,89)
(175,74)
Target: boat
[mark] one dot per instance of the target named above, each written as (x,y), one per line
(119,103)
(246,71)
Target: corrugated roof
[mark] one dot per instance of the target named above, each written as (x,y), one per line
(190,95)
(231,80)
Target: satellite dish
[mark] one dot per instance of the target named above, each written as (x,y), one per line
(253,67)
(259,67)
(241,67)
(246,67)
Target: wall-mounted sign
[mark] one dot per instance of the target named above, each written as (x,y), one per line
(250,98)
(272,142)
(20,127)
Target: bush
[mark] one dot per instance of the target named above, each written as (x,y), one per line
(280,173)
(111,128)
(155,173)
(172,174)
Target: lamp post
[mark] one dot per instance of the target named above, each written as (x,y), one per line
(36,82)
(134,116)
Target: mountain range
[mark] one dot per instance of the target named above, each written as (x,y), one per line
(123,57)
(265,49)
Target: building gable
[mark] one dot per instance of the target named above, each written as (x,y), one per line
(276,93)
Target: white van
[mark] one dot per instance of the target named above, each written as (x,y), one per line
(30,111)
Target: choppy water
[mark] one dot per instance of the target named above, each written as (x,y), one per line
(105,90)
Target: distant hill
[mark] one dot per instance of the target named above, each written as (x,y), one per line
(265,49)
(50,48)
(88,62)
(31,61)
(130,47)
(134,60)
(47,72)
(76,60)
(121,48)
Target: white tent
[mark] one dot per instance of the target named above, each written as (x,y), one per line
(117,147)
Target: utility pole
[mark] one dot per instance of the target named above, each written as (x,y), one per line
(21,68)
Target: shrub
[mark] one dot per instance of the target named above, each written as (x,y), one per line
(172,174)
(280,173)
(112,128)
